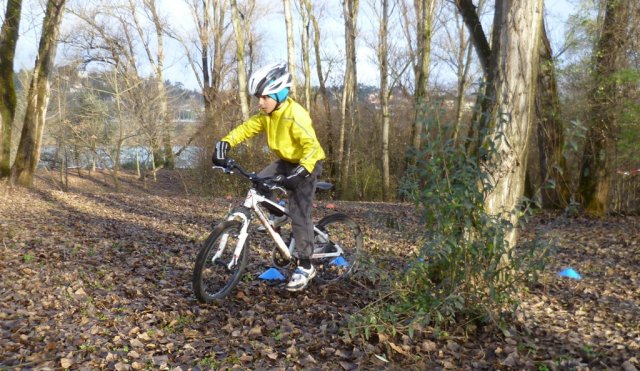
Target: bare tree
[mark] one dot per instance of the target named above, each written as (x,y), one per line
(8,41)
(306,64)
(383,64)
(349,106)
(610,57)
(323,88)
(384,95)
(550,132)
(291,51)
(425,10)
(458,54)
(211,58)
(57,125)
(209,62)
(88,119)
(28,153)
(471,16)
(156,60)
(123,130)
(240,58)
(112,40)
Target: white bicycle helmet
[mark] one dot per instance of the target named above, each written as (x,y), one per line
(270,80)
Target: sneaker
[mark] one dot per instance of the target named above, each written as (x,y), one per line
(275,221)
(301,278)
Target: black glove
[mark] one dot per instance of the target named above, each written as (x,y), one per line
(219,157)
(292,180)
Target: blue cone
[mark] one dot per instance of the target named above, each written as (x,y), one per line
(569,273)
(272,274)
(340,262)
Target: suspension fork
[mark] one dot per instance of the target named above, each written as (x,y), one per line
(242,238)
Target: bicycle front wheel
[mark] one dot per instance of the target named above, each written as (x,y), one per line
(215,276)
(337,247)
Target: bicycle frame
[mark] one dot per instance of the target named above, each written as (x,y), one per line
(251,203)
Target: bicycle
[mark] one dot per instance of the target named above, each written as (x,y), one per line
(223,257)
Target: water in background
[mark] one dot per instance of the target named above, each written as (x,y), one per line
(51,157)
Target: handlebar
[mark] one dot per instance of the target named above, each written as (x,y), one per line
(266,182)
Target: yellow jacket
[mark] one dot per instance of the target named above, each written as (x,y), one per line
(289,131)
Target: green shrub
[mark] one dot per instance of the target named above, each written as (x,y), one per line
(464,271)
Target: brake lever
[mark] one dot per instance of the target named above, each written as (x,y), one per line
(274,186)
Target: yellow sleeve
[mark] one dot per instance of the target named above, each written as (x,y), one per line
(246,130)
(305,135)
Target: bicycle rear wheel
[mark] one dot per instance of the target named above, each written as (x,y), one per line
(215,279)
(339,235)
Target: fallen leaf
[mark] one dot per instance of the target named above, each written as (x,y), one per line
(397,348)
(66,362)
(255,331)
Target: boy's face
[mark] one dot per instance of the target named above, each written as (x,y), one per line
(266,104)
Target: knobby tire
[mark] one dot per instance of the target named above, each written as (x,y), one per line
(213,280)
(346,233)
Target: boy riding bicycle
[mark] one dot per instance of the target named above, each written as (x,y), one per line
(290,135)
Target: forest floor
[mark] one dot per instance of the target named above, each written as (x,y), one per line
(93,279)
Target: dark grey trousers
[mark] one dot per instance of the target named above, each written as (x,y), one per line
(300,204)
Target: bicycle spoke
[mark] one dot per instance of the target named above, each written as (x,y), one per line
(217,269)
(337,245)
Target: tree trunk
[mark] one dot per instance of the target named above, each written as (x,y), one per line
(211,22)
(484,53)
(209,92)
(383,57)
(605,99)
(550,134)
(331,156)
(511,94)
(240,58)
(28,153)
(349,94)
(464,60)
(478,37)
(291,51)
(424,12)
(8,41)
(306,64)
(169,159)
(157,63)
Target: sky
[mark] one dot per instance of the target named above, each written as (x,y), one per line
(177,69)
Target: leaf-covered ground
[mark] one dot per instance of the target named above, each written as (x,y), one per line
(92,279)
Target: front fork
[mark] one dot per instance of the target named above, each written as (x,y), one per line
(244,234)
(242,238)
